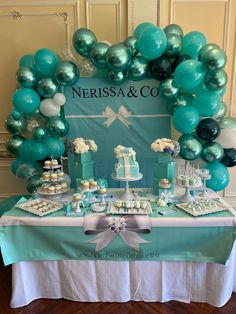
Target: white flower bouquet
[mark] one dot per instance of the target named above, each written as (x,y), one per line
(165,145)
(81,146)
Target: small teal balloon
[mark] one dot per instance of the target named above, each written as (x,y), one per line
(57,127)
(137,69)
(205,49)
(192,43)
(15,126)
(39,134)
(152,43)
(141,28)
(33,183)
(215,59)
(189,74)
(25,151)
(26,100)
(131,44)
(118,58)
(26,76)
(185,119)
(219,176)
(14,143)
(181,100)
(98,55)
(174,45)
(47,87)
(55,147)
(67,73)
(173,29)
(168,88)
(207,103)
(15,164)
(190,147)
(228,123)
(102,183)
(39,151)
(83,41)
(116,78)
(16,114)
(26,60)
(45,62)
(215,81)
(221,112)
(213,152)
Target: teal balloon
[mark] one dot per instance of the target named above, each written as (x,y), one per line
(215,59)
(57,127)
(137,69)
(116,78)
(168,88)
(14,143)
(33,183)
(26,76)
(131,43)
(152,43)
(221,91)
(228,123)
(67,73)
(15,126)
(219,176)
(181,100)
(192,43)
(213,152)
(47,87)
(15,164)
(26,60)
(83,41)
(25,151)
(190,147)
(173,29)
(16,114)
(39,134)
(45,62)
(102,183)
(118,58)
(215,81)
(26,170)
(205,49)
(189,74)
(207,103)
(174,45)
(39,151)
(55,147)
(185,119)
(141,28)
(25,100)
(221,112)
(98,55)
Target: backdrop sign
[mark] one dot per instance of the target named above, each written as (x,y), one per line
(132,114)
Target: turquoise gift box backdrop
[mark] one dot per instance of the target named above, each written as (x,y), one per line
(132,114)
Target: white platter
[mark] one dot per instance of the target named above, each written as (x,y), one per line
(52,167)
(112,209)
(52,180)
(220,207)
(28,206)
(40,191)
(98,207)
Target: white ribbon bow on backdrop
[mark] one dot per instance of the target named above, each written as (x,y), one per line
(111,116)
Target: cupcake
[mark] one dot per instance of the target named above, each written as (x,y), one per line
(60,174)
(51,189)
(46,175)
(58,188)
(84,184)
(77,197)
(47,163)
(53,176)
(102,191)
(92,184)
(64,186)
(54,162)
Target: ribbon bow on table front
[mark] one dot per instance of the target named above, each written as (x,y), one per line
(107,228)
(111,116)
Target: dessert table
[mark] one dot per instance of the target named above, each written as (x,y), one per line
(182,258)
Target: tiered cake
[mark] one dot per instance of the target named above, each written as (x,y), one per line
(126,167)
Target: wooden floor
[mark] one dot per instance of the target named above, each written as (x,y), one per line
(61,306)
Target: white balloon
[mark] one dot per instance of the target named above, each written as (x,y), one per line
(59,99)
(48,108)
(227,138)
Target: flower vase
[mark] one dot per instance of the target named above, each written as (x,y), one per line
(83,166)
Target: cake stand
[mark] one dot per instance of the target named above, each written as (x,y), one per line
(187,197)
(126,195)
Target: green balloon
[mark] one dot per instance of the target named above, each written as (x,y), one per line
(116,78)
(33,183)
(118,57)
(83,41)
(190,147)
(137,69)
(192,43)
(26,76)
(215,81)
(228,123)
(13,144)
(173,29)
(131,44)
(205,49)
(168,88)
(213,152)
(221,111)
(183,99)
(39,134)
(67,73)
(15,164)
(39,151)
(98,55)
(215,59)
(47,87)
(57,127)
(14,126)
(206,102)
(174,45)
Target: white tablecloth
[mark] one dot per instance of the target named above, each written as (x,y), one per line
(111,281)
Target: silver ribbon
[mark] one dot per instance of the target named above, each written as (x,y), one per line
(111,116)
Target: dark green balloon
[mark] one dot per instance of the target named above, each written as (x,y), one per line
(47,87)
(98,55)
(118,58)
(215,81)
(173,29)
(183,99)
(39,134)
(190,147)
(14,126)
(83,41)
(137,69)
(67,73)
(26,76)
(116,78)
(33,183)
(213,152)
(13,144)
(132,45)
(168,88)
(215,59)
(57,127)
(205,49)
(221,111)
(174,45)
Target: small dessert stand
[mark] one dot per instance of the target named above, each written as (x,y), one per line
(90,191)
(187,197)
(126,195)
(204,175)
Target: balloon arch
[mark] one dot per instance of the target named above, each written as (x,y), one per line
(192,78)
